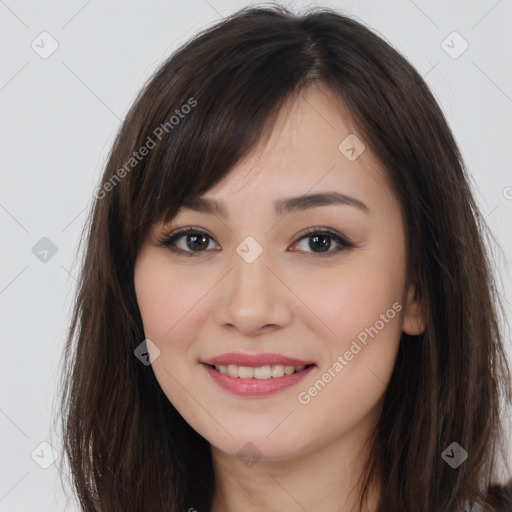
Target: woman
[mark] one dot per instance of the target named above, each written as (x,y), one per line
(218,362)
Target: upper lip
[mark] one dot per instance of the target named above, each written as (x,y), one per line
(255,360)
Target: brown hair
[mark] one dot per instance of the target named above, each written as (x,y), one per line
(127,446)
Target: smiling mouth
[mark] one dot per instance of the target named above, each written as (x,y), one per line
(274,371)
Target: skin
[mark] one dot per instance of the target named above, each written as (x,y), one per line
(290,300)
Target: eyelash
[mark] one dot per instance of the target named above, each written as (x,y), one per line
(168,241)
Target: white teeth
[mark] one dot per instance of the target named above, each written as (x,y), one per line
(259,372)
(232,370)
(277,370)
(245,372)
(262,372)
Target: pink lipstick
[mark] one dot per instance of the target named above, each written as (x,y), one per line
(256,375)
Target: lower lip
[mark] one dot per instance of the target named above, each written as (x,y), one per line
(255,387)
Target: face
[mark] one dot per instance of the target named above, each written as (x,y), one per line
(319,284)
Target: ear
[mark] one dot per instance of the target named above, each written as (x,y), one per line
(414,314)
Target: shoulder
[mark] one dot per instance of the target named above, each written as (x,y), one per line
(499,499)
(500,496)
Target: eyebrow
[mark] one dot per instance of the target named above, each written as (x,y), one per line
(281,206)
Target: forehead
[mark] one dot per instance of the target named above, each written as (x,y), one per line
(312,147)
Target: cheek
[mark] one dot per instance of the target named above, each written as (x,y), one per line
(363,309)
(154,296)
(168,300)
(169,304)
(354,298)
(371,286)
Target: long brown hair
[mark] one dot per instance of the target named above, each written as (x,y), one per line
(205,109)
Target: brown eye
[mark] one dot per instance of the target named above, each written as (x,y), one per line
(320,242)
(195,241)
(192,242)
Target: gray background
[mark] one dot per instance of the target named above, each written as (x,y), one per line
(60,115)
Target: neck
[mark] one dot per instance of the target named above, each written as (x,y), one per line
(325,478)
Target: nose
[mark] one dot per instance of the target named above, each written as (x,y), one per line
(252,298)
